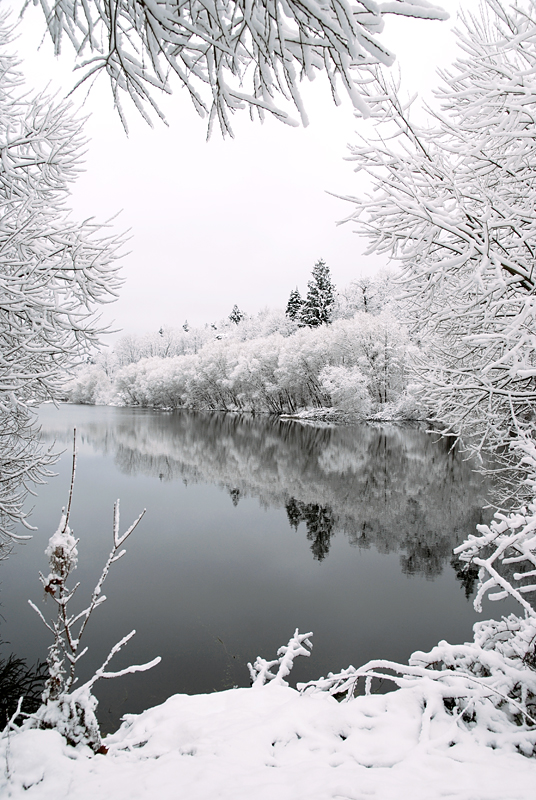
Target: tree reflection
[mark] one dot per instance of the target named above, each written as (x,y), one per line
(319,521)
(234,494)
(466,573)
(395,489)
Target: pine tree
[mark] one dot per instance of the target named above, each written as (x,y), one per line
(236,315)
(318,306)
(294,305)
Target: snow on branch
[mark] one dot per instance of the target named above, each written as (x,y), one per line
(54,271)
(479,687)
(260,672)
(227,54)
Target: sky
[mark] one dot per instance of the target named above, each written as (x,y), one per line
(229,221)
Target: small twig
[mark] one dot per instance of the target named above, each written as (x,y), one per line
(10,725)
(71,488)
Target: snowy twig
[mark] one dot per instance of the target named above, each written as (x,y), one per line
(260,671)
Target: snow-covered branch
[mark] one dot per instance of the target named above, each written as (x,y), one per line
(260,671)
(227,54)
(54,274)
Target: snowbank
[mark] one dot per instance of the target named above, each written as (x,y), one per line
(270,742)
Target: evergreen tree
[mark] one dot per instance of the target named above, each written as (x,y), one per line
(294,305)
(318,306)
(236,315)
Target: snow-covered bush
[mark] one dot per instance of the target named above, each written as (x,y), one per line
(348,389)
(260,671)
(409,405)
(90,386)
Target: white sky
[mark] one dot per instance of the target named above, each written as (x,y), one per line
(236,221)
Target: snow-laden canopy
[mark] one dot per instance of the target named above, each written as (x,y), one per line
(228,54)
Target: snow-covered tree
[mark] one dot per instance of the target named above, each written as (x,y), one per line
(54,271)
(357,365)
(294,305)
(227,54)
(454,202)
(90,386)
(378,346)
(317,307)
(68,710)
(348,389)
(370,293)
(236,316)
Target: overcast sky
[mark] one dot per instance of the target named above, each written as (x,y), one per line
(236,221)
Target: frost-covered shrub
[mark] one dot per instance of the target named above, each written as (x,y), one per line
(406,407)
(280,372)
(348,389)
(89,386)
(260,672)
(409,405)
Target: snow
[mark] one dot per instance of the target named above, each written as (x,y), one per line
(62,551)
(272,741)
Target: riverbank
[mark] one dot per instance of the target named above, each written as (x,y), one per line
(259,743)
(336,416)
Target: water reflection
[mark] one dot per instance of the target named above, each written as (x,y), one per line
(391,488)
(319,521)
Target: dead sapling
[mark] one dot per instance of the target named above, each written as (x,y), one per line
(71,711)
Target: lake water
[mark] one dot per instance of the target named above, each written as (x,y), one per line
(254,526)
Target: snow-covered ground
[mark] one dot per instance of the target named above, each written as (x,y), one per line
(271,742)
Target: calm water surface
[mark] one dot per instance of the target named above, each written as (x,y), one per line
(254,527)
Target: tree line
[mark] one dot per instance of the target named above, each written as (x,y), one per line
(271,362)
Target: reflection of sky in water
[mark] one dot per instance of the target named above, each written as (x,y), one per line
(216,574)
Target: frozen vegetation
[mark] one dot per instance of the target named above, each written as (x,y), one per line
(272,740)
(229,56)
(357,360)
(55,272)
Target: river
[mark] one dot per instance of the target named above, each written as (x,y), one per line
(254,526)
